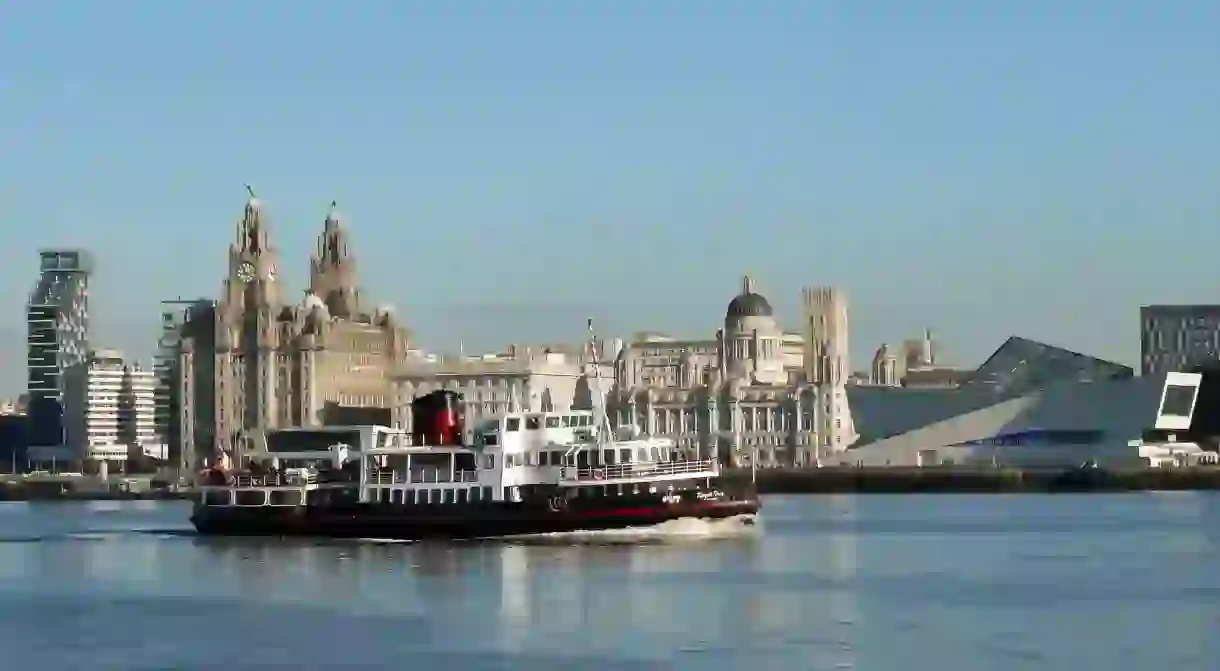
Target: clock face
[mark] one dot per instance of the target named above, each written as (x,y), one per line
(245,272)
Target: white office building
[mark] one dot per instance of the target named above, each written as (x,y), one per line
(138,411)
(103,429)
(120,409)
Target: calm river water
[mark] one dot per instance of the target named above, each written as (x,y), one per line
(837,582)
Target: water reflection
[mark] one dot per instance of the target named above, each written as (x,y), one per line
(843,607)
(846,582)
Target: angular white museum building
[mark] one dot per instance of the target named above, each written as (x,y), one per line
(1031,405)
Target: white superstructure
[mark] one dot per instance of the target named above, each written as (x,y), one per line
(511,455)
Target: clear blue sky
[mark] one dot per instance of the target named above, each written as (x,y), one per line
(984,168)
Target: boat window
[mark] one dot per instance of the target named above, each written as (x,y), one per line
(565,421)
(286,497)
(253,497)
(512,424)
(449,498)
(552,422)
(544,459)
(531,458)
(474,493)
(533,423)
(557,458)
(487,493)
(624,455)
(656,455)
(461,496)
(216,498)
(491,439)
(489,461)
(582,459)
(586,420)
(396,496)
(608,457)
(641,455)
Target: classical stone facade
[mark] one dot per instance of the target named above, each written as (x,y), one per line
(520,381)
(258,360)
(744,395)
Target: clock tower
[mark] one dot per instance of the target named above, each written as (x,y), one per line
(246,333)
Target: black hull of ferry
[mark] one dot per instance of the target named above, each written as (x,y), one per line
(464,521)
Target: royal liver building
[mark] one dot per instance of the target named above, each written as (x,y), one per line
(257,359)
(753,392)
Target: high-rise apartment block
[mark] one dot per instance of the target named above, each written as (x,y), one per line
(57,320)
(138,412)
(119,409)
(104,385)
(1178,338)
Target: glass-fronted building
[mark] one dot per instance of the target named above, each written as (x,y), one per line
(57,321)
(1177,338)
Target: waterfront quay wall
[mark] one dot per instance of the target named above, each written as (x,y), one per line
(940,479)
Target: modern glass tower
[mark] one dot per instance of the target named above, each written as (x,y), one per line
(57,360)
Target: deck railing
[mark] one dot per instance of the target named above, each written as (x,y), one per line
(643,470)
(385,476)
(275,480)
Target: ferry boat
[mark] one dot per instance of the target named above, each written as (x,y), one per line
(522,473)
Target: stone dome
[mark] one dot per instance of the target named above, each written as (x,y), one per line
(749,305)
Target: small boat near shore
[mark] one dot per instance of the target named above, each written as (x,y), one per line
(517,474)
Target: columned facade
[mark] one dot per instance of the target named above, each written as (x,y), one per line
(743,396)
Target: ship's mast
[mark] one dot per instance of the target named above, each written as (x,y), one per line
(604,431)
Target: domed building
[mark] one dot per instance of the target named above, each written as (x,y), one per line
(743,395)
(256,360)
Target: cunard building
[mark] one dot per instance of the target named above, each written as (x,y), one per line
(259,359)
(753,392)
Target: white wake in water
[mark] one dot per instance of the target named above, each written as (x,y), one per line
(685,529)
